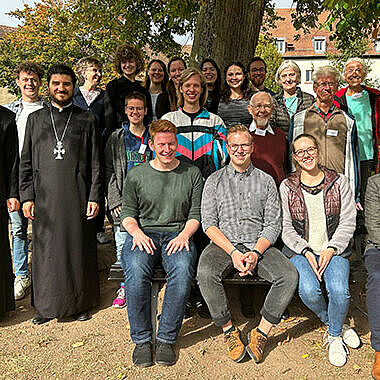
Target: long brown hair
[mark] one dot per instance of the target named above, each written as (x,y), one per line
(171,89)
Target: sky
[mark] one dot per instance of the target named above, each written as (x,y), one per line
(9,5)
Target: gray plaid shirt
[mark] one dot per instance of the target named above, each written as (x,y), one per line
(244,206)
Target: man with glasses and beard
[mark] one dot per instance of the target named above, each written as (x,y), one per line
(60,188)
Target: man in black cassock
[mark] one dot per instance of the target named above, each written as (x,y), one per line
(8,198)
(60,188)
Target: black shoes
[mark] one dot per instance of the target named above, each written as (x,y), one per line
(81,317)
(165,354)
(39,319)
(142,355)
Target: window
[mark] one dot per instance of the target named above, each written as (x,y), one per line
(376,45)
(319,44)
(280,45)
(309,74)
(290,47)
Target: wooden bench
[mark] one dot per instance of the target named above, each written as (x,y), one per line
(159,277)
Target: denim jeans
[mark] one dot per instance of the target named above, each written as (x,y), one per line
(120,237)
(19,231)
(215,264)
(335,277)
(138,267)
(372,264)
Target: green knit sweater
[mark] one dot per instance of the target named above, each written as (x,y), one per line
(162,200)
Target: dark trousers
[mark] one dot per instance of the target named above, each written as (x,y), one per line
(215,264)
(372,264)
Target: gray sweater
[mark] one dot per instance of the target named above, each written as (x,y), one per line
(372,211)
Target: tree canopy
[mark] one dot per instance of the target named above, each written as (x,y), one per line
(65,30)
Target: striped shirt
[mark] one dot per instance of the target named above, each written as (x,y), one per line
(244,206)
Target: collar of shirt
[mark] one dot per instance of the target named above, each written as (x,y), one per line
(232,172)
(325,116)
(258,131)
(61,109)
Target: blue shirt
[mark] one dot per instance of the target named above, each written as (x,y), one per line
(360,107)
(135,153)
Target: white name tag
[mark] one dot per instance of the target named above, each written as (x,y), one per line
(357,95)
(332,132)
(260,132)
(142,148)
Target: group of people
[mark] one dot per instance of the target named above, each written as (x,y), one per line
(201,178)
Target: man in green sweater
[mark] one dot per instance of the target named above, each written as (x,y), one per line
(160,211)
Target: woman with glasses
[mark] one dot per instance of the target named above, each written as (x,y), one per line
(290,99)
(156,80)
(233,106)
(212,74)
(89,96)
(318,222)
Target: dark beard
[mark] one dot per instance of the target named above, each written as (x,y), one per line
(61,103)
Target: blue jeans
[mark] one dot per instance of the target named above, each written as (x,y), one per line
(335,277)
(138,267)
(372,264)
(120,237)
(19,230)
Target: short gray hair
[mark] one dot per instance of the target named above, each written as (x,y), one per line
(325,71)
(262,92)
(359,60)
(84,63)
(286,65)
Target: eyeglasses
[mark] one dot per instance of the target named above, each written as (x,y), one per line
(257,70)
(326,84)
(235,147)
(131,109)
(256,107)
(358,70)
(27,80)
(311,151)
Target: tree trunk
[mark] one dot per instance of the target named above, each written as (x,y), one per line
(227,30)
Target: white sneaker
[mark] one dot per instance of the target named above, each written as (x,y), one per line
(350,337)
(337,351)
(20,286)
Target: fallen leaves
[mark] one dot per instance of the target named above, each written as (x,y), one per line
(78,344)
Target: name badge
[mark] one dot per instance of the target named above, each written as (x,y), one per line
(260,132)
(357,95)
(332,132)
(142,148)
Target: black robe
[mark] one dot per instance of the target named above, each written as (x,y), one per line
(64,261)
(8,189)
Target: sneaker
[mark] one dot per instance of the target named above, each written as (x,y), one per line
(102,238)
(165,354)
(256,345)
(119,302)
(142,355)
(350,337)
(235,347)
(20,286)
(337,350)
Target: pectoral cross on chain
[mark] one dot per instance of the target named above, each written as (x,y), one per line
(59,150)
